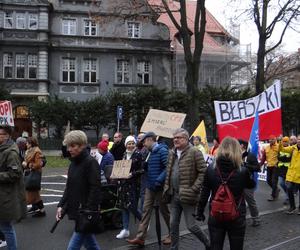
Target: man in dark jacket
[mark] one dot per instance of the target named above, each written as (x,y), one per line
(118,149)
(12,192)
(251,163)
(156,175)
(185,174)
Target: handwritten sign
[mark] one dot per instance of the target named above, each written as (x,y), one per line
(163,123)
(6,114)
(121,169)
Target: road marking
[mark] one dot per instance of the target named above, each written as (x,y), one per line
(52,190)
(53,183)
(281,243)
(51,195)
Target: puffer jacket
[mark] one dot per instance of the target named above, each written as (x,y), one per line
(157,164)
(12,191)
(192,168)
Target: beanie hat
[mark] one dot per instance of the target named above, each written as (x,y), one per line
(129,138)
(103,145)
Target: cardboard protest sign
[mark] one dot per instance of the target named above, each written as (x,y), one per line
(6,114)
(235,118)
(162,123)
(121,169)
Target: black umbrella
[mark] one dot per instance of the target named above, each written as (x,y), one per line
(157,223)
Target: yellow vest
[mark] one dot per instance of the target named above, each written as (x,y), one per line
(293,173)
(272,155)
(284,159)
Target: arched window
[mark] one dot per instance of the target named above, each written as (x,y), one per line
(21,112)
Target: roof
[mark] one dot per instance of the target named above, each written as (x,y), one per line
(213,27)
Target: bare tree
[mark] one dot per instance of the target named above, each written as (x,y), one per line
(286,11)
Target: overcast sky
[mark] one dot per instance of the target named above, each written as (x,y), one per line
(248,32)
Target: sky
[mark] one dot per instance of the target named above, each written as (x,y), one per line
(248,31)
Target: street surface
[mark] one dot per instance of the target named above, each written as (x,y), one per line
(278,230)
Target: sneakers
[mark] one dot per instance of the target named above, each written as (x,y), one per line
(123,234)
(3,243)
(32,210)
(292,210)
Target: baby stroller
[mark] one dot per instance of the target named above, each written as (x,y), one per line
(110,213)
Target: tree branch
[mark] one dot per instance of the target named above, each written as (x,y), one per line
(170,14)
(199,36)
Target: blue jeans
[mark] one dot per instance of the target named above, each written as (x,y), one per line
(8,230)
(125,218)
(283,185)
(87,240)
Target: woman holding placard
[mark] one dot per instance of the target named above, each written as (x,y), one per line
(129,188)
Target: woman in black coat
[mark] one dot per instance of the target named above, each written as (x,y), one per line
(82,188)
(129,188)
(228,162)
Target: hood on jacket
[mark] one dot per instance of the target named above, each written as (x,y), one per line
(158,146)
(10,144)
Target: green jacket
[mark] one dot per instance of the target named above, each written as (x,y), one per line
(192,168)
(12,191)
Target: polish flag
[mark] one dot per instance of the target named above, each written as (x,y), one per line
(235,118)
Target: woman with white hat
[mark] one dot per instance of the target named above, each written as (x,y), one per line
(129,188)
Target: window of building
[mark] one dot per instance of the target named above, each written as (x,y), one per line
(68,69)
(133,30)
(90,70)
(20,66)
(32,66)
(8,20)
(143,72)
(90,28)
(69,26)
(7,65)
(123,71)
(33,21)
(21,22)
(21,112)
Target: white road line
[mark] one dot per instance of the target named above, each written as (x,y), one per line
(51,195)
(53,183)
(52,190)
(282,243)
(55,175)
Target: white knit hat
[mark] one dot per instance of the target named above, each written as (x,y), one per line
(130,138)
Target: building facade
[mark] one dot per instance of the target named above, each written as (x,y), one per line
(24,45)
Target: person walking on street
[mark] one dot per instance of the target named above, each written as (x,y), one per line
(83,188)
(129,188)
(12,191)
(251,163)
(226,170)
(270,154)
(118,149)
(185,173)
(293,174)
(214,150)
(143,178)
(33,162)
(284,161)
(156,175)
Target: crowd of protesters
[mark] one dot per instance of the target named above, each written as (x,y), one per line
(177,181)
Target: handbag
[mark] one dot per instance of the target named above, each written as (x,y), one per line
(32,180)
(88,221)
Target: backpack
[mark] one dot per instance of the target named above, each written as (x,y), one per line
(223,205)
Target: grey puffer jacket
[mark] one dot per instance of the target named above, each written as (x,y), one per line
(12,191)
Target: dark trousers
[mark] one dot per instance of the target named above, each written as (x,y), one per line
(2,237)
(291,187)
(272,180)
(235,230)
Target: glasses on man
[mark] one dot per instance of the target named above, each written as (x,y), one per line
(178,137)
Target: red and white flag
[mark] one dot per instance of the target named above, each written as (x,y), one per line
(235,118)
(6,113)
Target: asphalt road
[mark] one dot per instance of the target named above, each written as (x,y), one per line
(277,228)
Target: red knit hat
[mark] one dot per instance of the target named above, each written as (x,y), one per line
(103,145)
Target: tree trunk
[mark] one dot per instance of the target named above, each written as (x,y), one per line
(260,74)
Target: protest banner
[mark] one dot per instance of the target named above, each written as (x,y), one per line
(235,118)
(121,169)
(6,113)
(162,123)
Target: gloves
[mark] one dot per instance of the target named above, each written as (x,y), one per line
(158,186)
